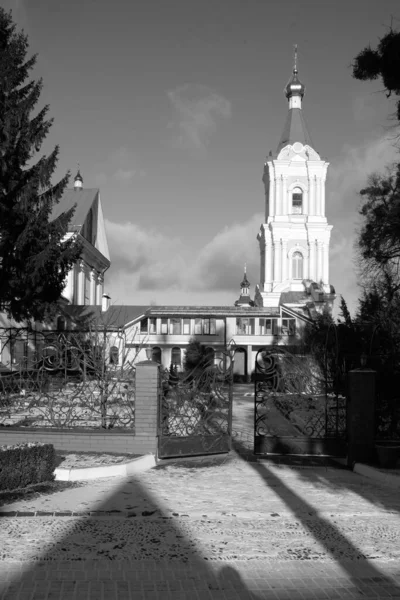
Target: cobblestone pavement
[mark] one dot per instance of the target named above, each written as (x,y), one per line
(221,527)
(208,528)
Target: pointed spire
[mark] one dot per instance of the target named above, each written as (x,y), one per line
(294,87)
(245,283)
(78,181)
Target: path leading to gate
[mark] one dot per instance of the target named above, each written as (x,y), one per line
(206,528)
(216,527)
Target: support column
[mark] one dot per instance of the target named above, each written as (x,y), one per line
(319,261)
(249,365)
(312,194)
(93,280)
(318,197)
(277,253)
(284,260)
(146,405)
(311,265)
(360,412)
(325,273)
(306,202)
(272,198)
(268,267)
(278,196)
(99,289)
(323,197)
(285,207)
(69,286)
(80,291)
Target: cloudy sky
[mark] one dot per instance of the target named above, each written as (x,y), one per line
(171,106)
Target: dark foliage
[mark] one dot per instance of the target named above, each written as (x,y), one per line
(383,62)
(34,259)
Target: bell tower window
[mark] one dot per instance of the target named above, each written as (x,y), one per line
(297,201)
(297,265)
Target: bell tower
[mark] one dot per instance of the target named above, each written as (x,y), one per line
(294,239)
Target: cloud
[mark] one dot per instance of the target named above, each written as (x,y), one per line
(149,266)
(198,109)
(121,165)
(152,265)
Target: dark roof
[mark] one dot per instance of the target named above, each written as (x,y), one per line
(116,316)
(83,198)
(211,311)
(295,130)
(245,283)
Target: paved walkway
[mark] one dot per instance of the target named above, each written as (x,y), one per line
(216,528)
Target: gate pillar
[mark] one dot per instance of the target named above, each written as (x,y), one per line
(360,415)
(146,404)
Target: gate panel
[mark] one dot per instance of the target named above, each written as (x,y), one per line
(195,410)
(296,411)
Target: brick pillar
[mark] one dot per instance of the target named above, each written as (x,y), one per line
(360,415)
(146,405)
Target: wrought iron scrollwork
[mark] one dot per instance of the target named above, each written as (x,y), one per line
(62,381)
(196,407)
(292,398)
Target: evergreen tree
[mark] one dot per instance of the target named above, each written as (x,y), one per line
(34,259)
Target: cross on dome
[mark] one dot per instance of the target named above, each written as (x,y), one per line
(294,86)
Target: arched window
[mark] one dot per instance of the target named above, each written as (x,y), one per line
(297,265)
(114,355)
(156,354)
(61,324)
(176,359)
(297,201)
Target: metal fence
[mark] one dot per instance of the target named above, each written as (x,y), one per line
(65,379)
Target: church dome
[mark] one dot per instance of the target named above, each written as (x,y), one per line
(294,86)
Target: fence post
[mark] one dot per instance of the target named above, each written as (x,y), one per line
(361,386)
(146,405)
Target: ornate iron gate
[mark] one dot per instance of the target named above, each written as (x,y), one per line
(297,409)
(195,410)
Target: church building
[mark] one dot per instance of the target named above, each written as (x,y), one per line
(293,285)
(294,239)
(294,267)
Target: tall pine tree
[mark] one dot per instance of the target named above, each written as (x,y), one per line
(34,257)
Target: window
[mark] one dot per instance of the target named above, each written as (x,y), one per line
(297,201)
(152,325)
(164,326)
(289,326)
(176,358)
(61,324)
(186,326)
(269,326)
(209,327)
(114,355)
(156,354)
(297,265)
(144,326)
(244,326)
(197,326)
(175,326)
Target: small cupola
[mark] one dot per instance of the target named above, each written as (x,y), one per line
(78,181)
(244,299)
(295,89)
(245,285)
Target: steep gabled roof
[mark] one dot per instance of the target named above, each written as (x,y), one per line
(83,198)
